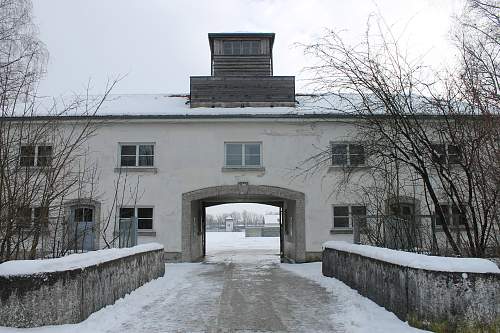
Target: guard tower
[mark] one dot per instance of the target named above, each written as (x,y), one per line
(242,74)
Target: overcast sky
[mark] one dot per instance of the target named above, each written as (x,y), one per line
(158,44)
(240,207)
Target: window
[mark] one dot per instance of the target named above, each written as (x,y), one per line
(144,216)
(137,155)
(31,156)
(445,153)
(405,210)
(241,47)
(452,215)
(243,154)
(84,214)
(345,216)
(348,154)
(41,216)
(26,216)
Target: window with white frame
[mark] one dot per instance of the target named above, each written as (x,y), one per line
(452,215)
(348,154)
(445,153)
(345,216)
(137,155)
(243,154)
(35,156)
(144,216)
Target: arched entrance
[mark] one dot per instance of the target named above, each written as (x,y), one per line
(292,204)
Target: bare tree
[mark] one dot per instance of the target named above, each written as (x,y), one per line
(43,157)
(426,135)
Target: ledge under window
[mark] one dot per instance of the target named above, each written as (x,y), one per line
(343,231)
(149,233)
(231,169)
(136,169)
(347,167)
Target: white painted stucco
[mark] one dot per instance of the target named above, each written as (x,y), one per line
(189,155)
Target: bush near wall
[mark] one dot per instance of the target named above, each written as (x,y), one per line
(436,293)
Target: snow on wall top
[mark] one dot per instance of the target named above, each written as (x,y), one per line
(72,261)
(419,261)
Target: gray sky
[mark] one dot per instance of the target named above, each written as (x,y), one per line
(240,207)
(160,43)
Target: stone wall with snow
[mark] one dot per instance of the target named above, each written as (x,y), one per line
(428,292)
(68,289)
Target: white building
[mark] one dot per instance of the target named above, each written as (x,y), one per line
(242,135)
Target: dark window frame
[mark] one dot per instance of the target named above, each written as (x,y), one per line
(350,215)
(142,220)
(451,214)
(29,216)
(38,157)
(446,153)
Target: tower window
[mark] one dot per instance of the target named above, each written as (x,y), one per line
(241,47)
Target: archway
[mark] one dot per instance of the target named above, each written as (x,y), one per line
(293,216)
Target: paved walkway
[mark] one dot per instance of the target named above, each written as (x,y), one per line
(238,291)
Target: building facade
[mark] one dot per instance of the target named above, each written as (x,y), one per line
(241,135)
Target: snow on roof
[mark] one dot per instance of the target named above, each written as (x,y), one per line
(415,260)
(271,219)
(179,105)
(72,261)
(158,105)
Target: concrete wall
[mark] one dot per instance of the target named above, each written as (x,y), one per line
(441,301)
(262,231)
(70,296)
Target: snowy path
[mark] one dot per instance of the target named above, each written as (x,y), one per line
(239,290)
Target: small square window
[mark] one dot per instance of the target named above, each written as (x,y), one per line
(345,216)
(344,154)
(243,154)
(445,153)
(40,156)
(84,214)
(144,216)
(452,215)
(141,155)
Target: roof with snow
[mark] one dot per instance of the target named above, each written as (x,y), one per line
(177,107)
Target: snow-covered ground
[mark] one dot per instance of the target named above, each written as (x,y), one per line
(224,241)
(242,271)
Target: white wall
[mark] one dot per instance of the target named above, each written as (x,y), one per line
(189,155)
